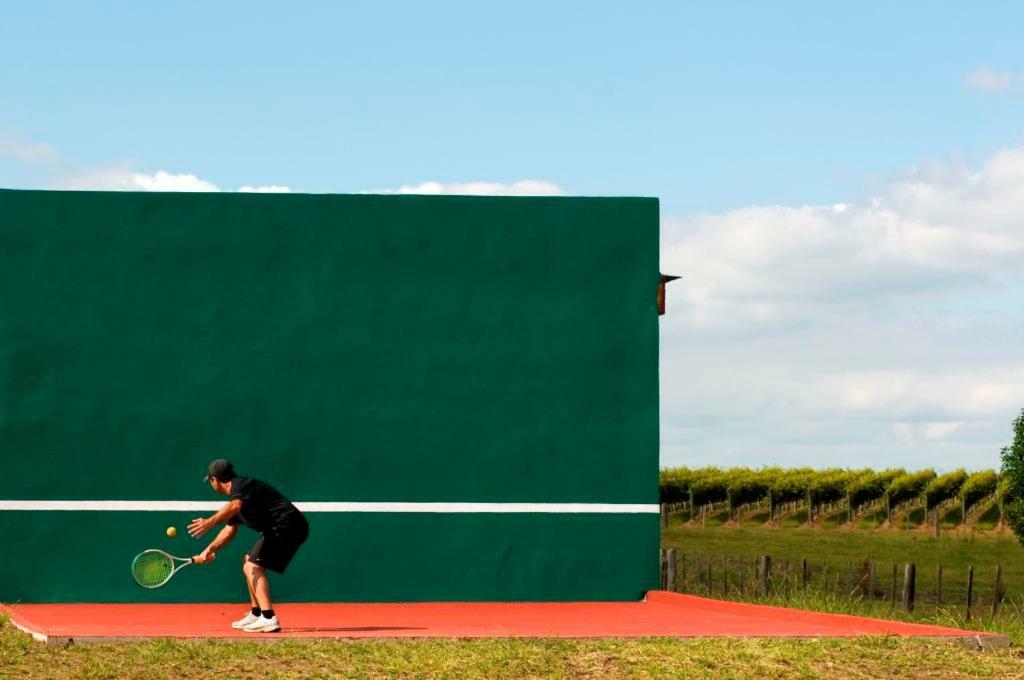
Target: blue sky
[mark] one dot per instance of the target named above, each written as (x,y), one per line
(750,121)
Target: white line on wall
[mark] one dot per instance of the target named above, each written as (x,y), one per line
(319,506)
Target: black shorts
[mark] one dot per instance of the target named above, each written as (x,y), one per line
(274,549)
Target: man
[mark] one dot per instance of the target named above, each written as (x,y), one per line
(258,506)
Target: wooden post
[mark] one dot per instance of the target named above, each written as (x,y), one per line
(670,569)
(909,584)
(662,566)
(664,516)
(805,573)
(683,579)
(997,591)
(872,581)
(764,568)
(938,584)
(970,590)
(892,591)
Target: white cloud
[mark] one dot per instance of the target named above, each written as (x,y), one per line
(989,81)
(112,177)
(29,152)
(875,332)
(123,179)
(909,394)
(526,187)
(120,179)
(935,229)
(271,189)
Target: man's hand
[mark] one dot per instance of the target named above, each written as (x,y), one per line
(205,556)
(199,526)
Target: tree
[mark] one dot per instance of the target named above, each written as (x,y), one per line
(1013,469)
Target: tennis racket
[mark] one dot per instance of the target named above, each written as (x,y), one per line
(154,568)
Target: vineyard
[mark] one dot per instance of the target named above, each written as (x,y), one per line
(866,498)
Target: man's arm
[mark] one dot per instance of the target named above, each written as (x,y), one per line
(222,539)
(200,525)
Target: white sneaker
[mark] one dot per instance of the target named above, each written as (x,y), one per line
(244,621)
(263,625)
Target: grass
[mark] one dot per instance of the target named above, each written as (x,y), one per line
(836,555)
(22,658)
(954,550)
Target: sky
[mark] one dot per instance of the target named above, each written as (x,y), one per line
(841,184)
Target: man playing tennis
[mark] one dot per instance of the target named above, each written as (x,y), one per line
(283,529)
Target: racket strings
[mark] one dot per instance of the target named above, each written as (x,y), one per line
(152,569)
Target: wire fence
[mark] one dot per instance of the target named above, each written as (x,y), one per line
(906,586)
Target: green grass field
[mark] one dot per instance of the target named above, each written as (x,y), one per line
(955,551)
(22,658)
(837,554)
(752,537)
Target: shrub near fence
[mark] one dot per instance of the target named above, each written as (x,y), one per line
(906,488)
(944,487)
(870,487)
(705,492)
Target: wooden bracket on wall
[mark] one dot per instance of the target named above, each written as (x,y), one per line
(665,278)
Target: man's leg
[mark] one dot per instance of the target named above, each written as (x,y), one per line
(254,609)
(259,586)
(248,585)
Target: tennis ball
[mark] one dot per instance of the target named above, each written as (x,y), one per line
(171,532)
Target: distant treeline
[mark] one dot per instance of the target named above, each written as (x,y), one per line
(854,488)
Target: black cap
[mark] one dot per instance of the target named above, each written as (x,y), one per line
(221,469)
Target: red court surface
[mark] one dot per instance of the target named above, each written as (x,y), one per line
(661,614)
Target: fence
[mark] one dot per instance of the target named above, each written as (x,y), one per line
(900,585)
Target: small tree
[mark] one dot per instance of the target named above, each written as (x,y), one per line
(1013,469)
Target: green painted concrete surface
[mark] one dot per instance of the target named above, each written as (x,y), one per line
(343,348)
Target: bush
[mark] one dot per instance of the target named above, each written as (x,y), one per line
(943,487)
(977,486)
(740,485)
(871,486)
(1013,471)
(830,485)
(710,485)
(791,485)
(910,485)
(675,484)
(747,486)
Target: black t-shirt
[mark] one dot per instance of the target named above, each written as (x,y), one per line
(263,507)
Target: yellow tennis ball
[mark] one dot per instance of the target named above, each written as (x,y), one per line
(171,532)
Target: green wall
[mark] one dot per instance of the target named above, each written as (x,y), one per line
(343,348)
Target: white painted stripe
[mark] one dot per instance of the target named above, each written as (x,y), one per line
(319,506)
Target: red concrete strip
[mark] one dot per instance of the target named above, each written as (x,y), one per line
(755,620)
(660,614)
